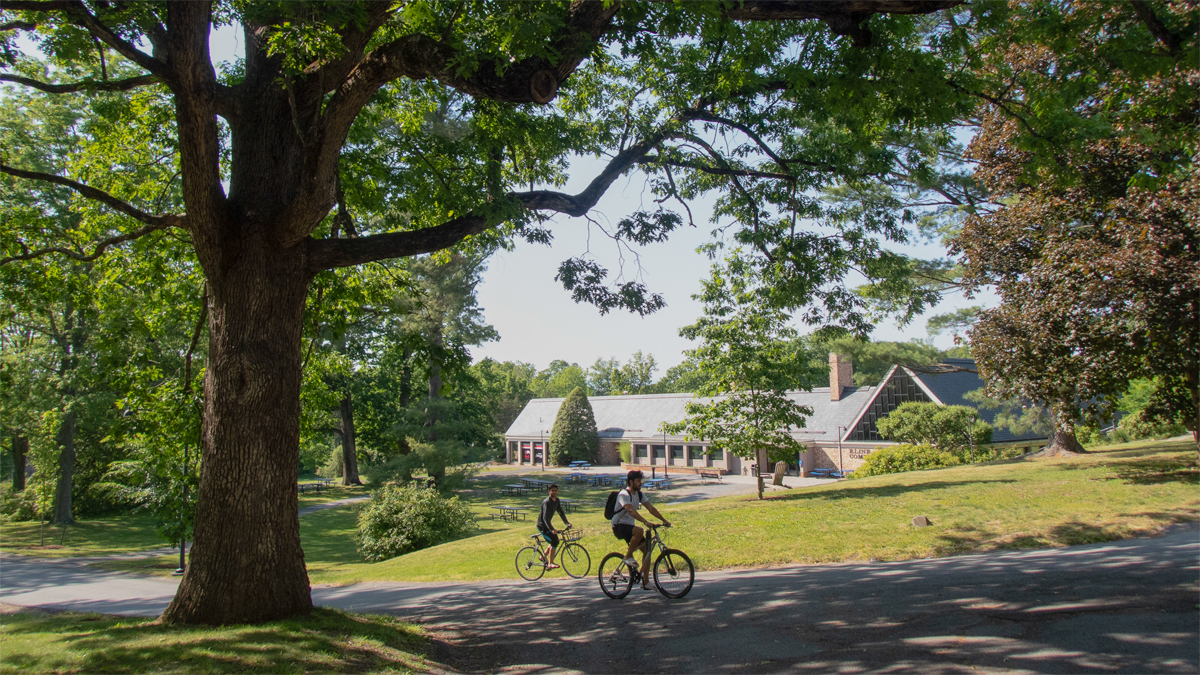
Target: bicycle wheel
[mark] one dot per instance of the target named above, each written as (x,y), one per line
(575,560)
(673,573)
(615,579)
(529,564)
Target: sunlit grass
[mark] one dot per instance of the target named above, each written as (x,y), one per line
(1116,492)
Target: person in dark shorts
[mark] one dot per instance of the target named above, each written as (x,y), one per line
(550,506)
(624,522)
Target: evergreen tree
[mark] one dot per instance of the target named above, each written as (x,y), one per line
(574,435)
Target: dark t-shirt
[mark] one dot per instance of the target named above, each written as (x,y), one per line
(549,508)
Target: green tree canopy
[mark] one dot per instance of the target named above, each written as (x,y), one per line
(1087,148)
(574,435)
(946,427)
(752,360)
(359,132)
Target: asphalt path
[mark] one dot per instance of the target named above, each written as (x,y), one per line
(1122,607)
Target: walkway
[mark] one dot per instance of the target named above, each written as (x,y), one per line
(1126,606)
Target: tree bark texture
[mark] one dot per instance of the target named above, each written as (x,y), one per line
(246,563)
(349,447)
(20,450)
(66,470)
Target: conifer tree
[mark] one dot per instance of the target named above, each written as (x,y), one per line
(574,434)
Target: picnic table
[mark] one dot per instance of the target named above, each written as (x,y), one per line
(325,481)
(580,464)
(310,487)
(516,488)
(576,477)
(509,513)
(569,505)
(656,483)
(826,473)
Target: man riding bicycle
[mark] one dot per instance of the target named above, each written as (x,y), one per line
(625,518)
(550,506)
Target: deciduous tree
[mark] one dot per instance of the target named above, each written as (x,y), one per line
(1088,139)
(267,150)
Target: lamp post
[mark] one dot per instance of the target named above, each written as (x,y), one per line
(840,428)
(542,436)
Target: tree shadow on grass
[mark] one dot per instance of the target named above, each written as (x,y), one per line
(325,641)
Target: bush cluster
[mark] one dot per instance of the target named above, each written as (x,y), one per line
(404,518)
(904,457)
(18,506)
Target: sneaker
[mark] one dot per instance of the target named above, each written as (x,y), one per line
(631,562)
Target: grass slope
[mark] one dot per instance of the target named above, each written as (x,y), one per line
(1113,493)
(327,641)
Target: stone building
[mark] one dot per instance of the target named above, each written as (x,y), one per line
(838,435)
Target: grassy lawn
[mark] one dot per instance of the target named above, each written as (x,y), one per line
(327,641)
(119,534)
(1116,492)
(107,536)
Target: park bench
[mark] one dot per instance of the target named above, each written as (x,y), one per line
(579,464)
(310,487)
(709,475)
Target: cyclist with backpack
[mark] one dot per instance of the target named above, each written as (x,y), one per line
(550,506)
(625,517)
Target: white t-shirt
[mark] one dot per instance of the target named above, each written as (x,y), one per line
(621,516)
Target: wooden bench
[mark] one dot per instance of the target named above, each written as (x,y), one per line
(707,475)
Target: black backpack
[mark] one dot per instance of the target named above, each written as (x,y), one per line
(610,506)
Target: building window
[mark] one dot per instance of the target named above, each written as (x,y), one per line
(696,451)
(640,450)
(676,452)
(660,451)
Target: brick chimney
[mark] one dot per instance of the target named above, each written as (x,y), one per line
(841,375)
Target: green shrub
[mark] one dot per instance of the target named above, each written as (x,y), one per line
(625,448)
(904,457)
(988,454)
(441,460)
(404,518)
(19,506)
(1142,425)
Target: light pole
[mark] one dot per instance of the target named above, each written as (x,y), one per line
(840,428)
(971,436)
(542,435)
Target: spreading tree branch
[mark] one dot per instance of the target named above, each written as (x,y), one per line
(95,194)
(112,85)
(77,13)
(101,246)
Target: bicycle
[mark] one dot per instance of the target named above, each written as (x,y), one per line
(572,556)
(674,573)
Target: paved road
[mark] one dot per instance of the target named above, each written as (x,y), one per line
(1124,607)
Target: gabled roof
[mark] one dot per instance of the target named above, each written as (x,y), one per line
(639,416)
(950,388)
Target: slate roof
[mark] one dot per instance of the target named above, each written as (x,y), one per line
(639,416)
(951,389)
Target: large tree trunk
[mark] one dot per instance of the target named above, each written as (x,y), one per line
(349,447)
(20,450)
(66,470)
(1063,442)
(246,563)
